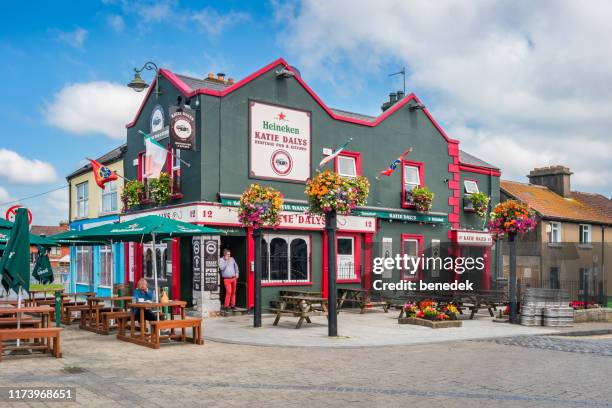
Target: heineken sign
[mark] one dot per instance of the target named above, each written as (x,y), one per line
(279,143)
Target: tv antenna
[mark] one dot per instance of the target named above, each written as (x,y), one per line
(403,74)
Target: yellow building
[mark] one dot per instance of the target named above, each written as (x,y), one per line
(89,206)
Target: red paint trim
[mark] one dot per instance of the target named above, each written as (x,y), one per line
(176,268)
(188,92)
(138,253)
(479,170)
(367,260)
(325,267)
(126,262)
(421,168)
(453,169)
(356,257)
(420,246)
(250,272)
(140,165)
(354,155)
(169,160)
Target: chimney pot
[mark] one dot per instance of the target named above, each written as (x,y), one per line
(211,75)
(220,76)
(556,178)
(230,80)
(400,95)
(392,97)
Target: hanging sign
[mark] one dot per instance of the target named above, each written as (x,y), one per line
(211,265)
(279,143)
(182,127)
(197,265)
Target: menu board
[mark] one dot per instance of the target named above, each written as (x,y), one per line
(211,265)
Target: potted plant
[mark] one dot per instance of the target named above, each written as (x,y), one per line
(511,217)
(479,203)
(159,189)
(422,198)
(430,314)
(133,193)
(329,191)
(260,206)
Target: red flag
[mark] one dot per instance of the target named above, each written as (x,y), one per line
(102,173)
(387,172)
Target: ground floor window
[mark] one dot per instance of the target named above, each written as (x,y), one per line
(346,268)
(83,264)
(554,278)
(147,261)
(286,259)
(106,266)
(412,247)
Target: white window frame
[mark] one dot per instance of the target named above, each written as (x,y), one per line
(411,183)
(407,273)
(79,264)
(105,267)
(55,251)
(354,165)
(288,239)
(473,186)
(82,200)
(349,276)
(110,189)
(554,235)
(585,228)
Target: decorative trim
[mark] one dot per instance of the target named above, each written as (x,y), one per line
(479,170)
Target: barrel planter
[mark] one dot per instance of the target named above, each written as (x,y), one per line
(441,324)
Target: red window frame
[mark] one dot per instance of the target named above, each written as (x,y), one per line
(420,247)
(421,168)
(355,155)
(356,257)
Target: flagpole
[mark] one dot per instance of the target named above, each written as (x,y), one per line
(171,154)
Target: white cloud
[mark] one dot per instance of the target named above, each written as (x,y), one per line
(116,22)
(522,84)
(58,201)
(94,108)
(20,170)
(4,195)
(74,38)
(214,23)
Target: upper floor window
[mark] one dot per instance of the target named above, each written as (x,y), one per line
(109,197)
(348,164)
(554,232)
(82,199)
(470,186)
(412,175)
(585,234)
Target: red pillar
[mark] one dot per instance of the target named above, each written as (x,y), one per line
(367,259)
(250,262)
(126,262)
(138,251)
(176,268)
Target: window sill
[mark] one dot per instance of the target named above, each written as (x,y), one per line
(286,284)
(103,213)
(555,245)
(408,205)
(176,196)
(585,246)
(356,280)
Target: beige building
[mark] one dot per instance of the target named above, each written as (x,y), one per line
(571,247)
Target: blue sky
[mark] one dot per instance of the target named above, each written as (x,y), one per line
(495,76)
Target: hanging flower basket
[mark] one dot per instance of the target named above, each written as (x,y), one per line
(260,206)
(422,198)
(511,217)
(480,203)
(159,189)
(133,193)
(329,191)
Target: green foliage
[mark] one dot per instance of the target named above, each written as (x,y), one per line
(159,189)
(422,198)
(132,193)
(480,202)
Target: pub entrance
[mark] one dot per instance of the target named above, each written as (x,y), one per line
(238,246)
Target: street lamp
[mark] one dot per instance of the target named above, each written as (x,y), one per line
(138,84)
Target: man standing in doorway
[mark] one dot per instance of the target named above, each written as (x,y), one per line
(229,273)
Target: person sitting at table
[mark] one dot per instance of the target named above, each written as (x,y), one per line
(142,293)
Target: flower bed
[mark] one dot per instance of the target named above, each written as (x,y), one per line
(430,323)
(329,191)
(430,314)
(260,206)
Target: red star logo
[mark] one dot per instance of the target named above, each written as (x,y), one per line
(281,116)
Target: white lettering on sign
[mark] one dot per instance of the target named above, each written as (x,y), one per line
(279,143)
(474,238)
(221,215)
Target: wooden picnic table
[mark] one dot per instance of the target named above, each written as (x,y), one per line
(303,307)
(50,336)
(44,311)
(152,339)
(95,317)
(362,297)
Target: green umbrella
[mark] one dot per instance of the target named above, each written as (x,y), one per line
(42,269)
(5,233)
(15,262)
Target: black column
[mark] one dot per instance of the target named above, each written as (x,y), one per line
(330,229)
(257,234)
(512,281)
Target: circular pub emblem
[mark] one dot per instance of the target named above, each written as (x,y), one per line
(281,162)
(211,247)
(182,128)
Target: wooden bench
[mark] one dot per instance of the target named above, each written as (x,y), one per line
(67,311)
(303,315)
(108,316)
(26,321)
(194,323)
(52,334)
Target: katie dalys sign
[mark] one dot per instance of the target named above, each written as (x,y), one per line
(279,143)
(182,128)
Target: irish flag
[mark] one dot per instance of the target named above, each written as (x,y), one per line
(155,158)
(332,156)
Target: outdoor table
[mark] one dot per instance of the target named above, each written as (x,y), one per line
(304,307)
(44,311)
(8,302)
(33,292)
(96,306)
(140,336)
(362,297)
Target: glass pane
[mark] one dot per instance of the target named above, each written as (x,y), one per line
(278,259)
(470,186)
(410,247)
(345,246)
(411,175)
(265,273)
(346,166)
(299,259)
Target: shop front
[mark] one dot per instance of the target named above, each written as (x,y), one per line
(474,245)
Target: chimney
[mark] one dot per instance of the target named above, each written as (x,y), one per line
(400,95)
(393,98)
(221,76)
(211,75)
(230,80)
(556,178)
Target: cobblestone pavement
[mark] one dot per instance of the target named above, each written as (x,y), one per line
(450,374)
(599,345)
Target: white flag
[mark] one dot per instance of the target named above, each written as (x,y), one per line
(155,158)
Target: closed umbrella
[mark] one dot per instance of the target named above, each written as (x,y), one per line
(42,268)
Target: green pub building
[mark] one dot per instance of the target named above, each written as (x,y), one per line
(271,128)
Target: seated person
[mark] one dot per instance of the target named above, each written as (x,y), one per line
(142,292)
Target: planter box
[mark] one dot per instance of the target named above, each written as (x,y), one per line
(443,324)
(597,314)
